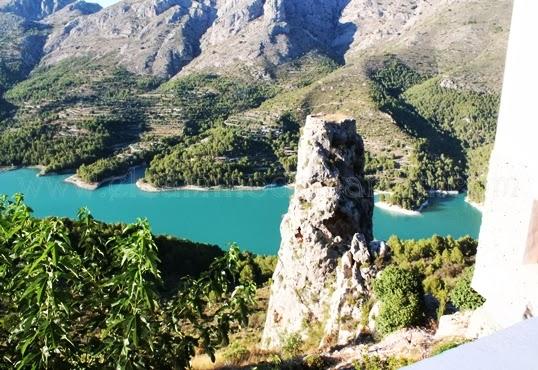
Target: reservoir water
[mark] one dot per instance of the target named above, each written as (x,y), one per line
(250,218)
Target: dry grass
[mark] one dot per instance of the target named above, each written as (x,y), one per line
(256,356)
(243,349)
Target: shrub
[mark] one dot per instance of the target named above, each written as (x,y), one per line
(89,294)
(315,362)
(463,296)
(267,265)
(235,354)
(445,346)
(292,345)
(378,363)
(401,295)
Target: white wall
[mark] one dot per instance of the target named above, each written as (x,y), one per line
(509,286)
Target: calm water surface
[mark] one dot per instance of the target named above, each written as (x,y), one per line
(250,218)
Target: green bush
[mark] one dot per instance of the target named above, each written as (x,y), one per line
(235,354)
(401,294)
(315,362)
(445,346)
(463,296)
(440,259)
(292,345)
(378,363)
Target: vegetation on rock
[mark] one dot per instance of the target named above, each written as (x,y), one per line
(439,260)
(401,294)
(463,296)
(379,363)
(445,346)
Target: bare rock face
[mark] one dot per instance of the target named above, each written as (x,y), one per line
(325,265)
(70,12)
(272,31)
(33,9)
(257,32)
(156,37)
(165,37)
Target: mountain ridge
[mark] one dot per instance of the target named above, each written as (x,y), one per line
(178,91)
(32,9)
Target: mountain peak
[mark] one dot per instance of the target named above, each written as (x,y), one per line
(33,9)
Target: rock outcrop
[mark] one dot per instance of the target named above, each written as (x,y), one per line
(325,265)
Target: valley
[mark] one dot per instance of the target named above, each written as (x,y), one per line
(238,124)
(248,184)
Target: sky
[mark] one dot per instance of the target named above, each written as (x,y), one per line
(104,2)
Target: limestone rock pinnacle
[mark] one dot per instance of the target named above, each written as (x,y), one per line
(325,265)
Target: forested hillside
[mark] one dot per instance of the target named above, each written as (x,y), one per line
(451,124)
(426,105)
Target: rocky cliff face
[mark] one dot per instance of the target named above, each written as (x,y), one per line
(156,37)
(33,9)
(70,12)
(275,31)
(325,264)
(162,37)
(271,31)
(24,28)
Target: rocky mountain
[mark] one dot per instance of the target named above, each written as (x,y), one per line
(325,264)
(21,42)
(33,9)
(147,37)
(276,31)
(422,78)
(161,37)
(24,29)
(79,8)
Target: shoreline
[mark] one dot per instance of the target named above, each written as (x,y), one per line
(443,193)
(407,212)
(479,207)
(399,210)
(78,182)
(40,168)
(142,185)
(381,192)
(7,169)
(37,167)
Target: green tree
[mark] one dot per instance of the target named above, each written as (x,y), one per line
(463,296)
(401,294)
(81,294)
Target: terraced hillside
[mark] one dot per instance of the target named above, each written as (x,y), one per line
(424,90)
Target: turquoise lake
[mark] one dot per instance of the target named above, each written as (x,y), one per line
(250,218)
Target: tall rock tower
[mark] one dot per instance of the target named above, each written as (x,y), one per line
(506,272)
(325,266)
